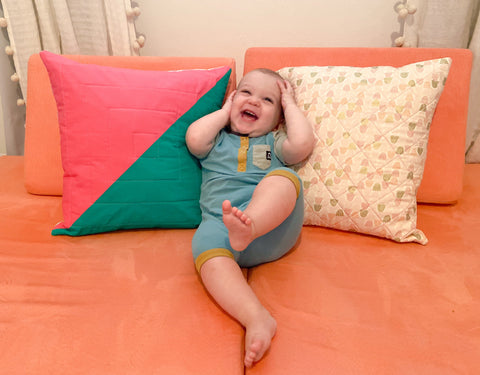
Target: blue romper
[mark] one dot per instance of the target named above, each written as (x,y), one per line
(232,170)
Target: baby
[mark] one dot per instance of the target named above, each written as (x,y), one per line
(252,205)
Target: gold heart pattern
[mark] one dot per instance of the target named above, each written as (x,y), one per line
(372,126)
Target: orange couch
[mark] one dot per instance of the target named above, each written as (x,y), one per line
(130,302)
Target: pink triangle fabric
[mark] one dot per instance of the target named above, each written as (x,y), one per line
(109,117)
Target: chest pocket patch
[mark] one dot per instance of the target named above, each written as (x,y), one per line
(262,156)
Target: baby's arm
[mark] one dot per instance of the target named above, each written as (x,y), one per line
(201,134)
(300,139)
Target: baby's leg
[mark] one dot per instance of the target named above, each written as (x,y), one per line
(273,200)
(225,282)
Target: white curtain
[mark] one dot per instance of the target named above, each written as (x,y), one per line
(451,24)
(87,27)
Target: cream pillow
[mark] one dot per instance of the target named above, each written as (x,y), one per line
(372,126)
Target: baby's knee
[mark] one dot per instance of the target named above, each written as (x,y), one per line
(290,175)
(207,255)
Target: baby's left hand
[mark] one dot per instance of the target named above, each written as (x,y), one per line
(288,95)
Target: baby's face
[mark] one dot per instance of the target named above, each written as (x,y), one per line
(256,107)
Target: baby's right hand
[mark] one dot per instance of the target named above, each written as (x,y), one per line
(288,95)
(228,103)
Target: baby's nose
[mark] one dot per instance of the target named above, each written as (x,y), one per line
(254,100)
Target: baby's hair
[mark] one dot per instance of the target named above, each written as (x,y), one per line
(270,72)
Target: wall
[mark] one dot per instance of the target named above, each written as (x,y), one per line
(228,28)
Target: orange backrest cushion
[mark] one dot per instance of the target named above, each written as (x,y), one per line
(443,175)
(43,166)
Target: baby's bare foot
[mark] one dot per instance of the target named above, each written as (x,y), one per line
(239,225)
(258,338)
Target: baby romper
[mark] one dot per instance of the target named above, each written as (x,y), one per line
(232,170)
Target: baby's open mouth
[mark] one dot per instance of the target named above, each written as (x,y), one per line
(250,115)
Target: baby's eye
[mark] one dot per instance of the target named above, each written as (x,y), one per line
(245,92)
(268,100)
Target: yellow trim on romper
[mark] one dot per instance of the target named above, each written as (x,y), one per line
(209,254)
(242,154)
(291,176)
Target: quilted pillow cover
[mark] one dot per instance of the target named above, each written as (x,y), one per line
(372,126)
(123,148)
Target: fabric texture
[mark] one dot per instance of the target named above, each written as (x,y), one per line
(123,148)
(372,126)
(427,29)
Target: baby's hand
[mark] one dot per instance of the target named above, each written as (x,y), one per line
(288,96)
(227,106)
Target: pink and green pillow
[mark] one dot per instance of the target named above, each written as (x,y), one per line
(124,156)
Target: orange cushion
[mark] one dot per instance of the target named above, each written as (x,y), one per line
(353,304)
(116,303)
(442,179)
(43,168)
